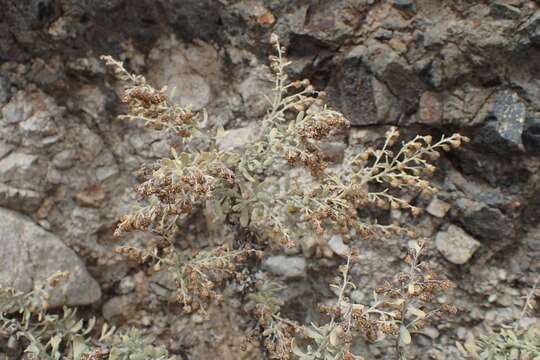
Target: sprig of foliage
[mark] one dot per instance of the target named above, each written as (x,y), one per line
(507,343)
(45,335)
(134,346)
(399,309)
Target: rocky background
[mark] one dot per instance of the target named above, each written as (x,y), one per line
(428,66)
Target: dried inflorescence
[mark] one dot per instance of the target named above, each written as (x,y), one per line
(174,187)
(197,274)
(278,333)
(150,105)
(298,119)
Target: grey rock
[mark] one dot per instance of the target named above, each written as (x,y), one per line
(85,221)
(235,139)
(22,171)
(350,89)
(489,37)
(497,316)
(194,19)
(532,239)
(473,190)
(429,109)
(91,143)
(408,5)
(338,246)
(309,246)
(333,151)
(40,126)
(31,255)
(17,110)
(36,115)
(119,308)
(92,101)
(532,27)
(505,123)
(290,267)
(386,103)
(456,245)
(431,332)
(64,159)
(327,22)
(465,106)
(46,73)
(252,89)
(391,68)
(20,199)
(438,208)
(5,149)
(17,162)
(22,183)
(163,285)
(368,135)
(90,66)
(188,71)
(451,65)
(126,285)
(484,221)
(106,172)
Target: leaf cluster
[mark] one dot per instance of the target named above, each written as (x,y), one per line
(45,335)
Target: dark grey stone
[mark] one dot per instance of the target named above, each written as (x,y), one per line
(408,5)
(506,11)
(4,90)
(531,135)
(504,124)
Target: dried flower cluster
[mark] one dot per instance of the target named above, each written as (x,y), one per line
(173,187)
(197,274)
(276,332)
(150,105)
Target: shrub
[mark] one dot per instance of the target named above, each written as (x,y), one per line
(272,195)
(254,193)
(245,191)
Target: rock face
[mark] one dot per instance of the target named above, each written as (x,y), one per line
(31,254)
(426,66)
(456,245)
(290,267)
